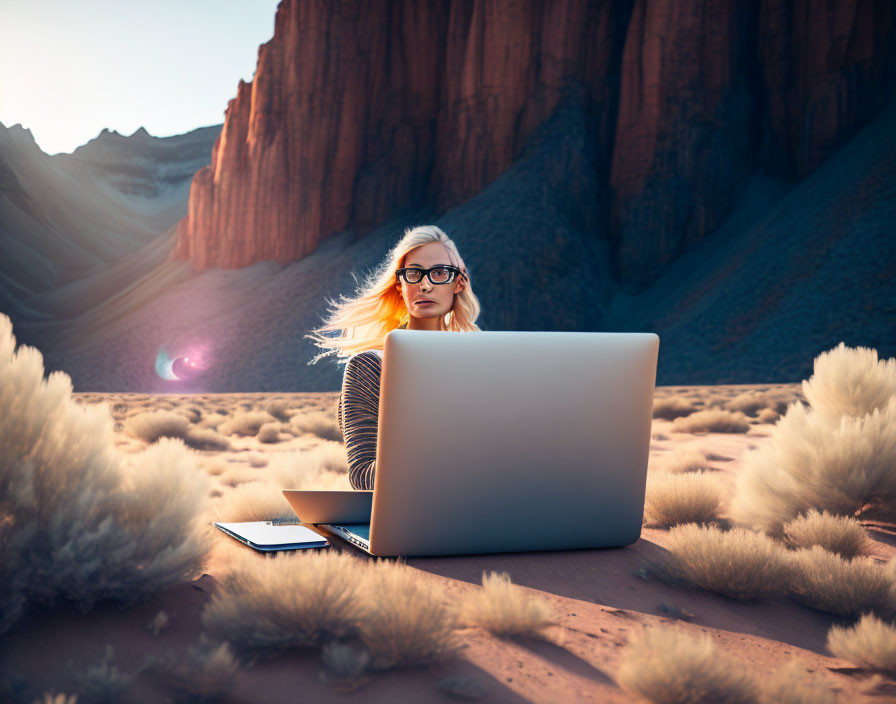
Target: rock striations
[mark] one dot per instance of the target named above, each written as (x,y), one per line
(361,111)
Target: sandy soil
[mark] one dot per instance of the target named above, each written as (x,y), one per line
(600,596)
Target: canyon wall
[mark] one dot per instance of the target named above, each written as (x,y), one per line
(359,111)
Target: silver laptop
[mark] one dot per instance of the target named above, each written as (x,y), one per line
(503,441)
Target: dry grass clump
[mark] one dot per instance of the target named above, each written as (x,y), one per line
(269,433)
(827,582)
(103,682)
(686,459)
(79,520)
(213,421)
(253,501)
(245,423)
(278,408)
(755,404)
(505,609)
(672,407)
(768,415)
(405,618)
(51,697)
(749,403)
(850,381)
(322,467)
(869,643)
(738,563)
(206,439)
(205,673)
(294,600)
(712,420)
(790,685)
(671,499)
(153,425)
(670,666)
(839,534)
(318,423)
(311,599)
(845,469)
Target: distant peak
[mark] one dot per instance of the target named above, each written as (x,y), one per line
(19,127)
(141,132)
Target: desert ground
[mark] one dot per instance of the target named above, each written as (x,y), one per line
(249,445)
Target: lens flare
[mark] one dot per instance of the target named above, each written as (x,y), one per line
(164,366)
(180,367)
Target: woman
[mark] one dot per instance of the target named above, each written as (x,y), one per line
(422,285)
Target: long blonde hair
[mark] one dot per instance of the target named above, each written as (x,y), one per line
(363,321)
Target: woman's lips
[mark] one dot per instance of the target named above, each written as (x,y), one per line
(423,302)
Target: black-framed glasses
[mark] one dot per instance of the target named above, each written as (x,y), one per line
(441,274)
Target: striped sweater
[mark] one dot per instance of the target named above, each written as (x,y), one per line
(358,415)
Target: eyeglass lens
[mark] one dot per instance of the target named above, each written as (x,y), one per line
(438,275)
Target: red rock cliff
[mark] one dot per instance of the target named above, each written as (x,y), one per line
(361,110)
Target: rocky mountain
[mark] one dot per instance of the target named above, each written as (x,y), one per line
(70,219)
(684,102)
(795,269)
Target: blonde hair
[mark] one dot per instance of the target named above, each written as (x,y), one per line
(363,321)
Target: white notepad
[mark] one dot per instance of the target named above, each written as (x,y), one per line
(266,536)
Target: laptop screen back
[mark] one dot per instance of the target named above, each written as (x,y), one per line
(500,441)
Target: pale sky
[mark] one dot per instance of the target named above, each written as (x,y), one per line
(69,68)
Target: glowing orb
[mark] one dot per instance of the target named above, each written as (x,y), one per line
(185,368)
(180,367)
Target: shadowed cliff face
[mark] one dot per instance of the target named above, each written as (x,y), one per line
(360,112)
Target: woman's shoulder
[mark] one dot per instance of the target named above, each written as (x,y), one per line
(367,355)
(368,359)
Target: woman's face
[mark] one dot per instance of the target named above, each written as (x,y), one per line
(427,303)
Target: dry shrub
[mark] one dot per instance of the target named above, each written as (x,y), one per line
(79,520)
(206,439)
(245,423)
(278,408)
(869,643)
(206,673)
(505,609)
(808,463)
(850,381)
(839,534)
(768,415)
(323,467)
(256,460)
(269,433)
(737,563)
(192,413)
(686,459)
(405,619)
(310,599)
(214,420)
(749,403)
(299,599)
(51,697)
(827,582)
(102,682)
(151,426)
(790,685)
(253,501)
(158,622)
(672,407)
(671,499)
(670,666)
(215,466)
(319,423)
(712,421)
